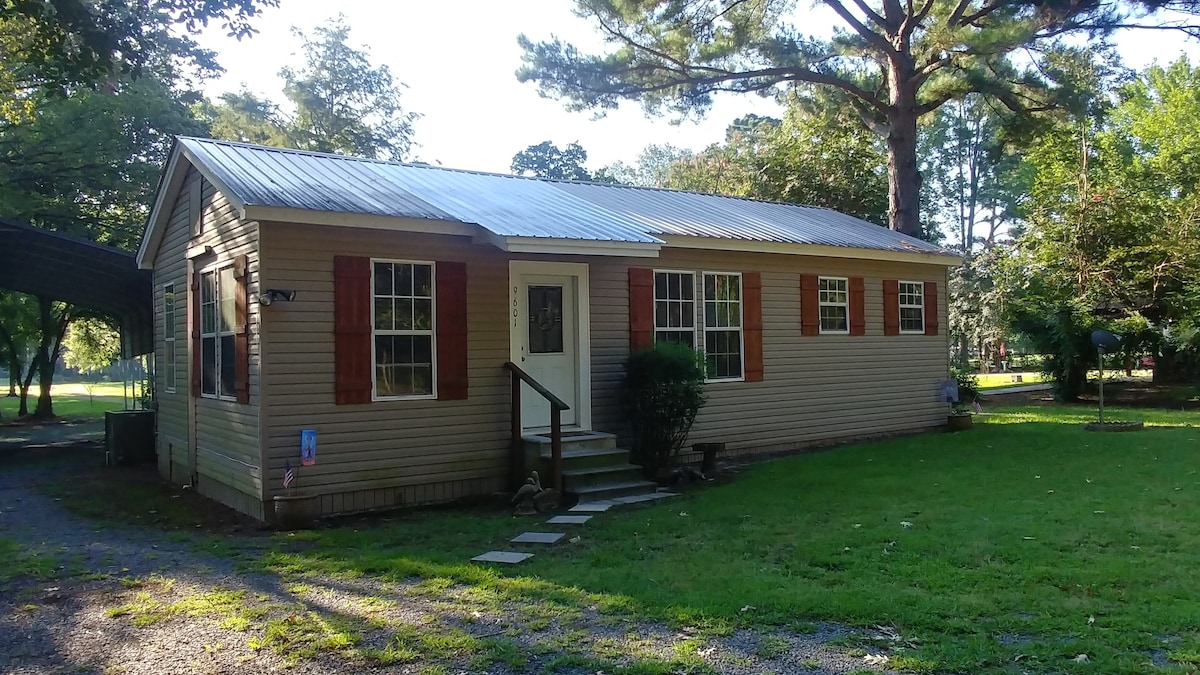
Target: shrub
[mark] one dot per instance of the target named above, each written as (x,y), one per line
(662,391)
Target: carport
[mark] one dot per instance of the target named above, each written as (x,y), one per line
(83,273)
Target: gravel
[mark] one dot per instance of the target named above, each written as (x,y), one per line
(78,620)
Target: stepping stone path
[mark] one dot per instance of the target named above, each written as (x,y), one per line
(514,557)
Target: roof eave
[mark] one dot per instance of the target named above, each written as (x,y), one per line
(818,250)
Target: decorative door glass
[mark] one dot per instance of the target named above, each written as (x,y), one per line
(545,319)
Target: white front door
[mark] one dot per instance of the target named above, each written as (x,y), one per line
(546,337)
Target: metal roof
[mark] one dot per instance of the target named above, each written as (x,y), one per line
(516,206)
(83,273)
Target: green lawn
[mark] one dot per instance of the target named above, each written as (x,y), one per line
(72,400)
(1013,547)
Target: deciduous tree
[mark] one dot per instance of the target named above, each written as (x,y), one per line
(547,160)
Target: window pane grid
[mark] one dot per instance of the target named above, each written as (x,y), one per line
(912,307)
(675,308)
(218,317)
(722,325)
(169,335)
(403,328)
(834,299)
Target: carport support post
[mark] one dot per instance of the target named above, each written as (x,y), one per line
(1100,357)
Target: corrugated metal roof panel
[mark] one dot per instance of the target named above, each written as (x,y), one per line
(508,206)
(692,214)
(514,206)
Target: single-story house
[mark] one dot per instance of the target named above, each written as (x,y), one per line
(377,304)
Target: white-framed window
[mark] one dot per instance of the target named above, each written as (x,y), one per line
(675,307)
(912,307)
(402,331)
(169,337)
(723,325)
(218,315)
(834,301)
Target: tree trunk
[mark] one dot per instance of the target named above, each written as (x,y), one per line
(23,404)
(53,330)
(904,175)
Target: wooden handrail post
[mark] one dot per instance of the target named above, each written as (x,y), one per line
(556,446)
(517,457)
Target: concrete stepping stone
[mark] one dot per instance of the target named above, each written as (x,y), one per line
(506,557)
(538,538)
(591,507)
(637,499)
(568,520)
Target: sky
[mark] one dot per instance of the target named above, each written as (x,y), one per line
(458,59)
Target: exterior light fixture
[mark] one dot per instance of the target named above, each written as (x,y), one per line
(275,295)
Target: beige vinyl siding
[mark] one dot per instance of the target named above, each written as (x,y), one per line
(816,389)
(384,453)
(226,441)
(170,267)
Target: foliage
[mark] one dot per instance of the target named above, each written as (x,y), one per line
(1110,228)
(547,160)
(337,102)
(650,170)
(812,158)
(18,318)
(661,393)
(62,44)
(968,389)
(889,63)
(91,344)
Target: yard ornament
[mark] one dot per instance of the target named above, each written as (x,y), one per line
(533,498)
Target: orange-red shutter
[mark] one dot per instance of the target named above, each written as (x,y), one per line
(891,307)
(194,346)
(352,329)
(241,330)
(752,325)
(931,308)
(810,310)
(858,306)
(641,308)
(451,330)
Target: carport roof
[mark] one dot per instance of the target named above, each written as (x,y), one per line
(83,273)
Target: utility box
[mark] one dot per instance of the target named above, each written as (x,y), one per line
(128,437)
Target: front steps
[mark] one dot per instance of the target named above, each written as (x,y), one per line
(593,466)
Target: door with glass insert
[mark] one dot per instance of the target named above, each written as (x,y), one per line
(549,347)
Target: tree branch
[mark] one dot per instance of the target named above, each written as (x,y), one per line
(871,14)
(873,38)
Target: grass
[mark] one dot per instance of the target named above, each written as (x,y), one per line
(1025,540)
(72,400)
(24,562)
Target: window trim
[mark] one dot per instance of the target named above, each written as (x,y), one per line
(215,269)
(697,305)
(433,354)
(703,330)
(901,306)
(171,357)
(821,303)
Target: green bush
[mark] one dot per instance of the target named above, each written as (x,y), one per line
(662,391)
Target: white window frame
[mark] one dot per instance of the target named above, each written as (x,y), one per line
(903,306)
(696,302)
(170,355)
(741,327)
(218,334)
(432,333)
(823,303)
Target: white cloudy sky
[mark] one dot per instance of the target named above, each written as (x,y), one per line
(458,58)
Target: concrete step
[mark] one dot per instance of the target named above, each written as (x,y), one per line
(601,475)
(589,458)
(572,441)
(594,493)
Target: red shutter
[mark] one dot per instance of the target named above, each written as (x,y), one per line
(241,329)
(194,346)
(641,308)
(810,305)
(858,306)
(752,325)
(352,329)
(451,280)
(891,307)
(931,308)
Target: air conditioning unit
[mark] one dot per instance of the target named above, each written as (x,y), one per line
(128,437)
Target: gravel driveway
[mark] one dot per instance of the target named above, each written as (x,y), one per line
(114,599)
